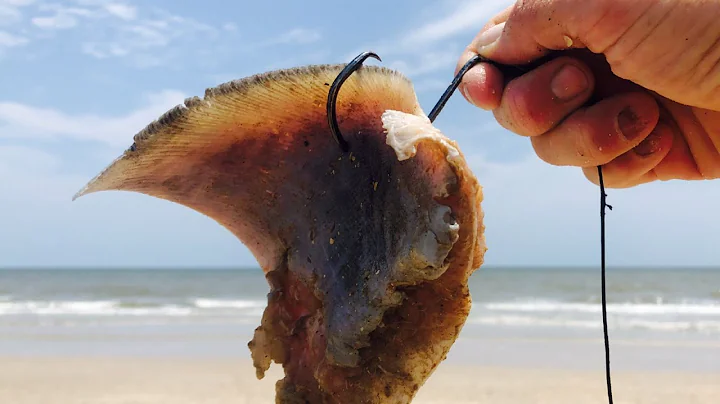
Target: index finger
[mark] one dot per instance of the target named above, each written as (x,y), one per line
(535,27)
(482,85)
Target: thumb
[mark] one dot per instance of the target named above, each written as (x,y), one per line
(535,27)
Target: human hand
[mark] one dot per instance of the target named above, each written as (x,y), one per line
(632,85)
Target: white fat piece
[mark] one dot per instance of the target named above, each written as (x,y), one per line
(405,131)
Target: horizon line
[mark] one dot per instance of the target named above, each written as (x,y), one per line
(255,268)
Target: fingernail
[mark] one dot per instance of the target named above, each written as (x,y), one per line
(650,145)
(466,94)
(630,124)
(488,37)
(568,83)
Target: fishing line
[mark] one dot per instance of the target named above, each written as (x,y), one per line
(603,205)
(356,63)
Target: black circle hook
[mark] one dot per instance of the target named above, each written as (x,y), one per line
(349,69)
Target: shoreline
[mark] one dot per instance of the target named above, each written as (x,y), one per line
(477,346)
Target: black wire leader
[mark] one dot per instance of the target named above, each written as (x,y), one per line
(357,62)
(603,205)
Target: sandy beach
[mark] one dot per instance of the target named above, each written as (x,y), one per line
(105,380)
(150,337)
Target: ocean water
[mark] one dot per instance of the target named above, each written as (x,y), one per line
(671,303)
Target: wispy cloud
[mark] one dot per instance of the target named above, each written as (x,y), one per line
(467,17)
(11,14)
(152,41)
(8,40)
(143,36)
(428,62)
(60,20)
(64,16)
(434,41)
(24,122)
(10,10)
(134,33)
(15,4)
(297,36)
(123,11)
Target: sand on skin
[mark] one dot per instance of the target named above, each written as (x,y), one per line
(99,380)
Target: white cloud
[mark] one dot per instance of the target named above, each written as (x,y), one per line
(428,62)
(425,46)
(9,15)
(10,9)
(8,40)
(140,35)
(144,36)
(298,36)
(123,11)
(58,21)
(467,17)
(228,26)
(23,122)
(295,36)
(62,16)
(38,214)
(152,40)
(16,3)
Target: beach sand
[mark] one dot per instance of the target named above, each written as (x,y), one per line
(127,380)
(154,337)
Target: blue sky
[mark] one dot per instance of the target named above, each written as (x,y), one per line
(81,77)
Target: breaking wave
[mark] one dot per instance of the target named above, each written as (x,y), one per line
(681,316)
(196,307)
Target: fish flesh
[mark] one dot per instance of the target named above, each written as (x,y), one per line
(367,253)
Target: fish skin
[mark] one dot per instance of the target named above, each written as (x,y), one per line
(367,253)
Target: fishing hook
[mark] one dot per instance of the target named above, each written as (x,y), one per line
(356,63)
(349,69)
